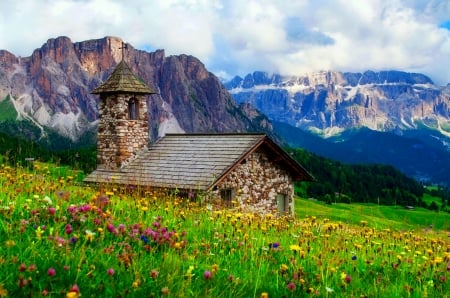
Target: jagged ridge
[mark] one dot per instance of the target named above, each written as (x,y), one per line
(52,89)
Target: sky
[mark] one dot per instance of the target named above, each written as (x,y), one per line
(237,37)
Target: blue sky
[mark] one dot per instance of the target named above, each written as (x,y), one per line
(235,37)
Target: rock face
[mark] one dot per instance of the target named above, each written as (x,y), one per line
(331,102)
(52,88)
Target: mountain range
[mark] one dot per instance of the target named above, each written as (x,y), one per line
(49,92)
(391,117)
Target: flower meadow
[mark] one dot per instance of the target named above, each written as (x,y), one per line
(62,239)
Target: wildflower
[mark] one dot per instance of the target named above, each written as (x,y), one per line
(22,267)
(274,245)
(283,268)
(353,258)
(110,272)
(214,268)
(154,273)
(294,247)
(89,235)
(51,272)
(207,274)
(47,200)
(264,295)
(329,290)
(3,291)
(291,286)
(10,243)
(165,291)
(74,292)
(189,272)
(52,210)
(69,229)
(39,233)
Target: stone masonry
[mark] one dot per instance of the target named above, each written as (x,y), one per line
(119,138)
(255,184)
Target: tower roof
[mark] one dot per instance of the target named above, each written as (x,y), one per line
(123,80)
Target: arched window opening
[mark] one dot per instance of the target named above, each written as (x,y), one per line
(133,109)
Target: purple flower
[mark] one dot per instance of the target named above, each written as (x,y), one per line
(274,245)
(144,239)
(207,274)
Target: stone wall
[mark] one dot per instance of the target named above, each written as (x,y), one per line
(118,138)
(255,184)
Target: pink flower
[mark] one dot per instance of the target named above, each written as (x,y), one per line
(69,229)
(348,279)
(207,275)
(110,271)
(291,286)
(51,272)
(52,210)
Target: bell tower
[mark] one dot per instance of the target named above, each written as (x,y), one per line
(123,118)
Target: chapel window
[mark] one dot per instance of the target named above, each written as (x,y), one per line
(133,109)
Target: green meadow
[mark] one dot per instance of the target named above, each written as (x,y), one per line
(60,238)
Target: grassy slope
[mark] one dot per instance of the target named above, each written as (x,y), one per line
(394,217)
(8,110)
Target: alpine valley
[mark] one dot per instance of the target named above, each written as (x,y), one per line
(390,117)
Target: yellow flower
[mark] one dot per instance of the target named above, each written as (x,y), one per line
(3,291)
(39,233)
(295,247)
(90,235)
(72,294)
(264,295)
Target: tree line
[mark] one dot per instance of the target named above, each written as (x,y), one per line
(336,182)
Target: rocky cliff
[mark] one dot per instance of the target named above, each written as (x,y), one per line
(51,88)
(332,102)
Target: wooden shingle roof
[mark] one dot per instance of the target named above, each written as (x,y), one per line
(195,161)
(123,80)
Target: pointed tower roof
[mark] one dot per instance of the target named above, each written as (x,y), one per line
(123,80)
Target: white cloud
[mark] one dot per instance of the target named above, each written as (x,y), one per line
(237,37)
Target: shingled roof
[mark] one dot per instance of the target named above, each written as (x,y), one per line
(195,161)
(123,80)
